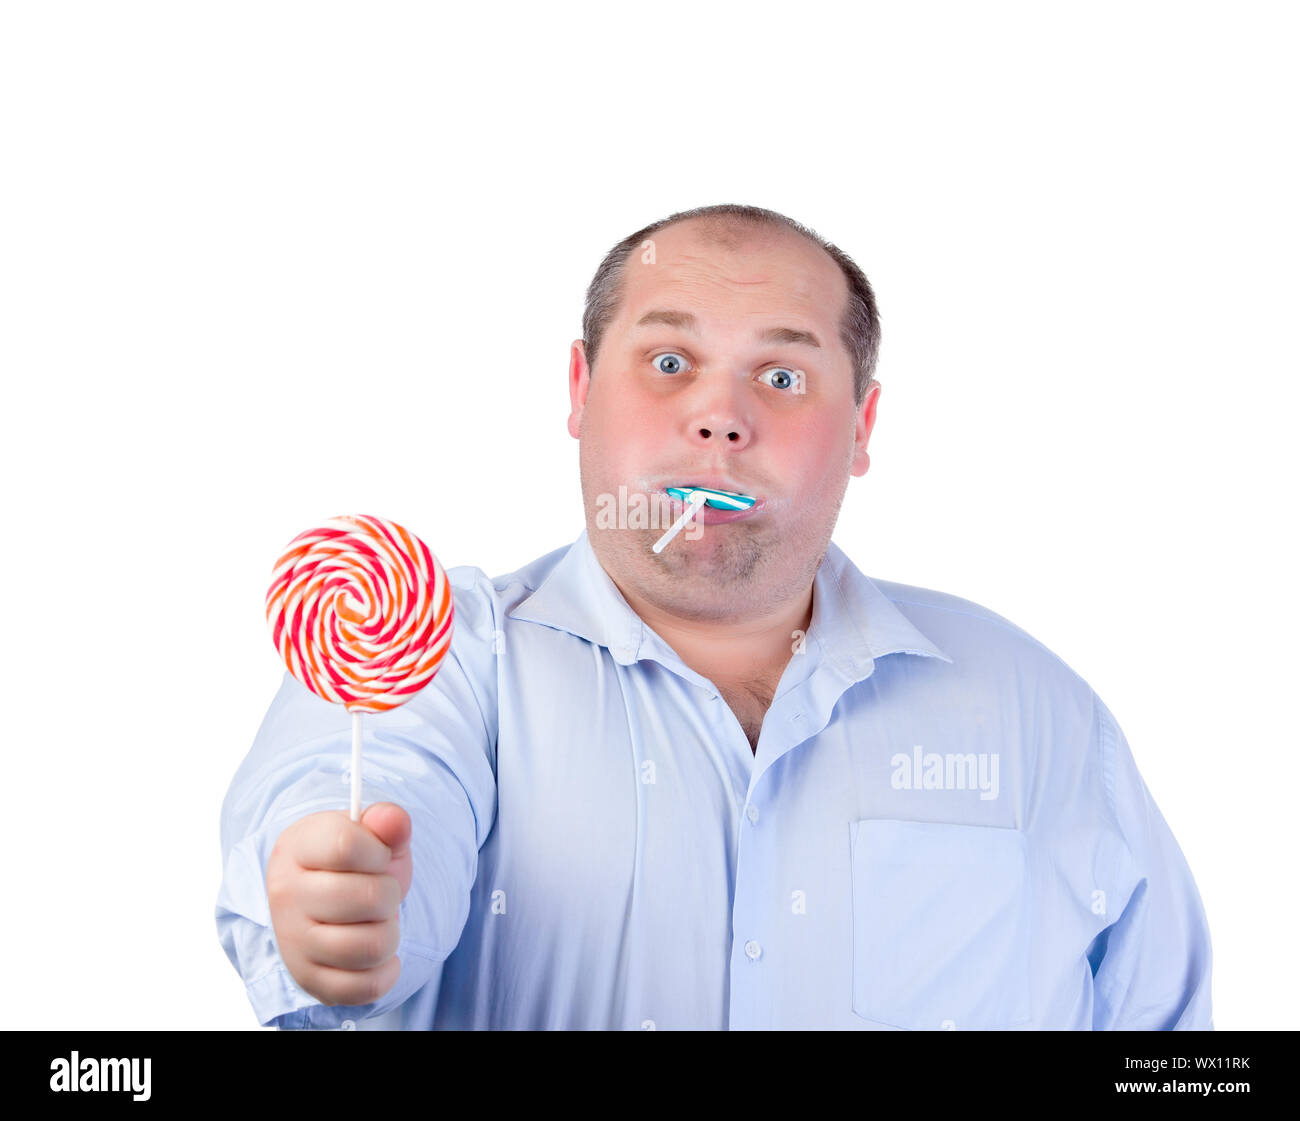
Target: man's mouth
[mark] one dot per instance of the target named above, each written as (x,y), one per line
(679,497)
(718,499)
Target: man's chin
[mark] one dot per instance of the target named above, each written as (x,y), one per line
(713,558)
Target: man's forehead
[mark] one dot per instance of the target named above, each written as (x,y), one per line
(779,266)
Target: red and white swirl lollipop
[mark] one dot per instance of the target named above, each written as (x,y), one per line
(361,612)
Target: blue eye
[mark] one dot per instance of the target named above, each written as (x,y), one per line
(784,378)
(669,363)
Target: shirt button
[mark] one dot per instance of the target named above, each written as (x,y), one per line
(752,950)
(347,1025)
(751,812)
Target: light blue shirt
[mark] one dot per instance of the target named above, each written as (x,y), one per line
(942,828)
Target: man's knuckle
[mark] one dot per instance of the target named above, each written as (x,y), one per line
(279,889)
(343,848)
(322,988)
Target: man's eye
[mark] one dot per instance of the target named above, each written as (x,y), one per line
(670,363)
(783,378)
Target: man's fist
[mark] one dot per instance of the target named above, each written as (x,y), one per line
(334,885)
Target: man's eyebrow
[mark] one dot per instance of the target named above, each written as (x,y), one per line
(789,335)
(683,319)
(687,322)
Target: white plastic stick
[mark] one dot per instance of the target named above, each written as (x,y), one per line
(697,500)
(356,766)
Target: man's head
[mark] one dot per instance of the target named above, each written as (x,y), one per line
(725,346)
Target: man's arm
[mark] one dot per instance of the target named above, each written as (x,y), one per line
(1152,965)
(434,756)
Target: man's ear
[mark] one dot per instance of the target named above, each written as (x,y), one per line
(579,383)
(866,422)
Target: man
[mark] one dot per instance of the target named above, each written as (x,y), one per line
(734,783)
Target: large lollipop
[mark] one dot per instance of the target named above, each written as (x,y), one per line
(361,612)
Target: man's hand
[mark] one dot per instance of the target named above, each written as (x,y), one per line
(333,885)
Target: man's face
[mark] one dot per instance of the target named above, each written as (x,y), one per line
(738,398)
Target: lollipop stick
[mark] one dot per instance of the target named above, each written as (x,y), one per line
(697,500)
(356,766)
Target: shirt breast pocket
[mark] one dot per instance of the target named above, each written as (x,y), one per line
(940,925)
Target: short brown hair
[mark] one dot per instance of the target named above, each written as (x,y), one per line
(860,331)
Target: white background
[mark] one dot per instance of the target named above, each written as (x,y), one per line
(265,263)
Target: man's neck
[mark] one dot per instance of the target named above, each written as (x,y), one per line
(752,650)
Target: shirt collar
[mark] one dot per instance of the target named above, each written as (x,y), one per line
(853,621)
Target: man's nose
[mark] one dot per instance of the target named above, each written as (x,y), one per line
(718,421)
(720,428)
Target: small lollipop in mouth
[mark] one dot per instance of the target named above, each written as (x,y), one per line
(695,498)
(718,499)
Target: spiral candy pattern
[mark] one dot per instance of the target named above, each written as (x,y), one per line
(361,612)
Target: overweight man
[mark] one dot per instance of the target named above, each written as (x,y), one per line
(730,784)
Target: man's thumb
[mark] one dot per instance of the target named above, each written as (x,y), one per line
(392,825)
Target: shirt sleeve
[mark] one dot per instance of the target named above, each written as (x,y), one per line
(1151,966)
(434,756)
